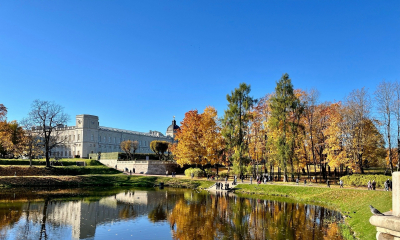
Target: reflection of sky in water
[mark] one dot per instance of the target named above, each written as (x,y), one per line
(173,214)
(24,229)
(134,229)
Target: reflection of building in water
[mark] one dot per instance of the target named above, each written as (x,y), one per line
(84,216)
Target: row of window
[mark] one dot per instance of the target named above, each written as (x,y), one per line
(64,154)
(73,137)
(119,140)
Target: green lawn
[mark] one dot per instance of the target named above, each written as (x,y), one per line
(352,203)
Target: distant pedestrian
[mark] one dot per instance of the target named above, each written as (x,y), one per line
(328,184)
(390,185)
(192,175)
(341,183)
(305,182)
(130,172)
(166,173)
(386,184)
(251,180)
(369,185)
(226,179)
(373,185)
(297,181)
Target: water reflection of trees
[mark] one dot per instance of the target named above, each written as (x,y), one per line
(215,216)
(190,215)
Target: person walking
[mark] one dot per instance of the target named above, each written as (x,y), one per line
(373,184)
(327,183)
(297,181)
(251,180)
(341,183)
(305,182)
(369,185)
(386,184)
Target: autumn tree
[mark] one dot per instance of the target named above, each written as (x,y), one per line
(159,148)
(11,138)
(384,96)
(235,121)
(187,150)
(310,100)
(257,134)
(31,142)
(49,119)
(199,140)
(129,147)
(335,148)
(283,104)
(211,138)
(358,108)
(3,112)
(396,111)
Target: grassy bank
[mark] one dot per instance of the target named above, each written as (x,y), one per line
(352,203)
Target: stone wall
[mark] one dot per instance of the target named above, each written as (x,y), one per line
(152,167)
(388,226)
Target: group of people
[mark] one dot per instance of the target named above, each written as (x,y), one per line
(388,185)
(220,186)
(371,185)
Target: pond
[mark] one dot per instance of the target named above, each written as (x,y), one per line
(158,214)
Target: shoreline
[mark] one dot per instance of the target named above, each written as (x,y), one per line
(352,203)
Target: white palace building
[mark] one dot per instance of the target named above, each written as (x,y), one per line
(87,136)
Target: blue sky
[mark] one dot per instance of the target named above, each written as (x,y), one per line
(135,64)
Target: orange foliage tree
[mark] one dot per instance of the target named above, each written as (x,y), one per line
(199,141)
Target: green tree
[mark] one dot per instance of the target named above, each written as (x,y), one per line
(235,122)
(284,105)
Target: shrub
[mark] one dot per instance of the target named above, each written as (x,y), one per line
(360,180)
(197,172)
(209,172)
(224,174)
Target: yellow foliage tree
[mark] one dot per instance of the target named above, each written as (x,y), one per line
(199,141)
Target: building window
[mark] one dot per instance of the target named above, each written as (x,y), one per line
(115,140)
(99,138)
(69,138)
(92,137)
(104,139)
(66,154)
(70,153)
(79,136)
(73,138)
(109,139)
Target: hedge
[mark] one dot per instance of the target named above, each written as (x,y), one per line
(361,180)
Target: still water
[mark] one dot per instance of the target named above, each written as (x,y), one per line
(158,214)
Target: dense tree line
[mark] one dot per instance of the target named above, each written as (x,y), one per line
(291,130)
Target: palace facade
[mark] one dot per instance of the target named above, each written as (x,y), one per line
(87,136)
